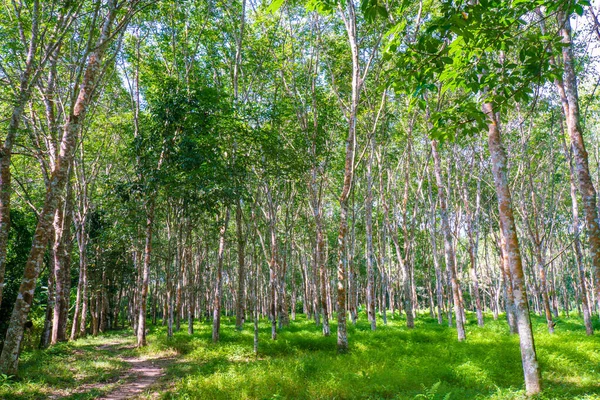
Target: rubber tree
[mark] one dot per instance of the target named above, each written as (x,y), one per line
(108,26)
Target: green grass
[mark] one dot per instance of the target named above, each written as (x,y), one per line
(390,363)
(77,370)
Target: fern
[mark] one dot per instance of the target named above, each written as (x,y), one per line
(431,393)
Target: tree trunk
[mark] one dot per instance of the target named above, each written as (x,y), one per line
(448,244)
(544,288)
(580,155)
(9,359)
(439,288)
(507,223)
(82,245)
(369,236)
(84,300)
(350,24)
(587,317)
(62,261)
(240,305)
(509,300)
(320,255)
(47,329)
(141,325)
(24,94)
(219,278)
(472,217)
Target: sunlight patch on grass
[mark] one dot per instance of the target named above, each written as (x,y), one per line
(392,362)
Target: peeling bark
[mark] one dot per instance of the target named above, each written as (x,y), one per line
(9,358)
(24,94)
(531,369)
(580,155)
(448,243)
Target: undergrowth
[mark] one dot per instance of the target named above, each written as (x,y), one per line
(393,362)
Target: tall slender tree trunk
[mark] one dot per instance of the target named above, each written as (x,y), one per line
(475,283)
(81,236)
(544,287)
(448,243)
(509,300)
(9,359)
(580,155)
(46,335)
(143,299)
(61,250)
(256,297)
(357,82)
(320,256)
(189,286)
(320,294)
(219,278)
(273,269)
(472,218)
(84,298)
(369,236)
(383,259)
(24,94)
(439,287)
(240,305)
(103,321)
(531,369)
(179,287)
(587,315)
(168,317)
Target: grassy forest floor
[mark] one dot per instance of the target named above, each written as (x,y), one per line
(392,362)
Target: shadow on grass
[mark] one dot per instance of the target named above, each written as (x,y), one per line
(391,362)
(83,367)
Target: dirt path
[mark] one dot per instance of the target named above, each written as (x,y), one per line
(141,376)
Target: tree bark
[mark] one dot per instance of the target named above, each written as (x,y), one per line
(580,155)
(240,306)
(473,246)
(9,359)
(357,82)
(62,263)
(369,237)
(448,243)
(439,288)
(219,278)
(24,94)
(143,303)
(587,315)
(47,329)
(531,369)
(77,317)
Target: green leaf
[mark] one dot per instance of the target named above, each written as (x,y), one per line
(275,6)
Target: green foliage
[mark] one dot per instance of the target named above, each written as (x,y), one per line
(390,363)
(85,369)
(468,53)
(6,380)
(19,244)
(432,393)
